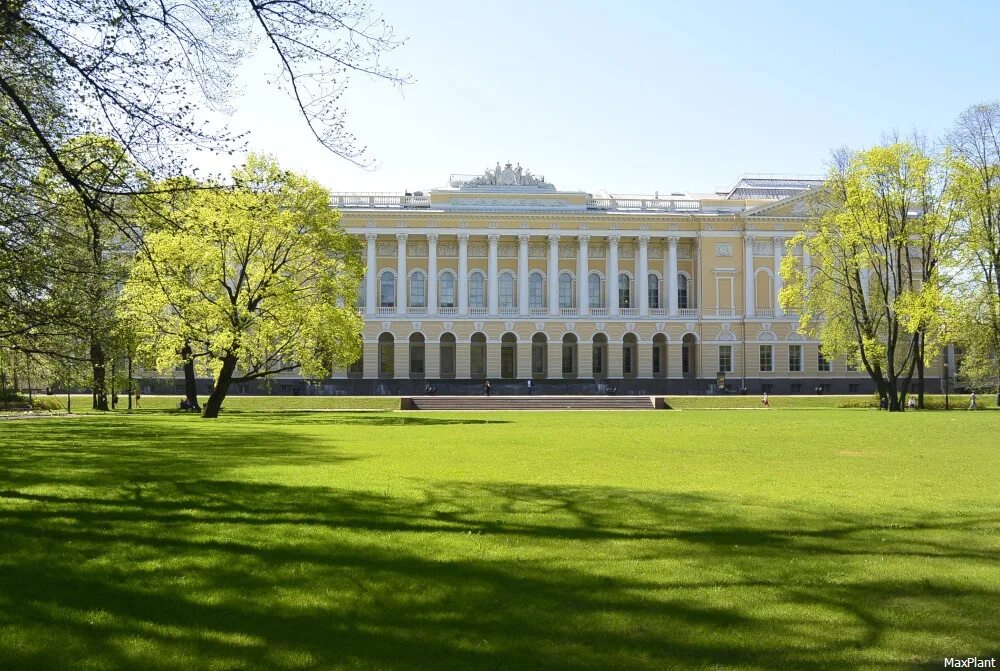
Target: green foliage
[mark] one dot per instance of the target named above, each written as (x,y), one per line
(260,278)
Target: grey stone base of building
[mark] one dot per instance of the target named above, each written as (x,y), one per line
(651,387)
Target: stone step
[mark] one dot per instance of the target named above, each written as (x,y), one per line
(528,403)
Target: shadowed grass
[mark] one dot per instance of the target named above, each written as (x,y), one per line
(812,539)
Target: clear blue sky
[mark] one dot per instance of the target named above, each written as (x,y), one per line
(633,97)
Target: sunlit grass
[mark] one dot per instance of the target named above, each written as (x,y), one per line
(658,540)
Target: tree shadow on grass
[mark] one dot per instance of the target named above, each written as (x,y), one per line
(185,567)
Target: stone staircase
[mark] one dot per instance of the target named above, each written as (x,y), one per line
(530,403)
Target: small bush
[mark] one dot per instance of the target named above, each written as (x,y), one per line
(47,403)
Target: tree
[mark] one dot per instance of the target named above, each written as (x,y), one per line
(257,280)
(865,297)
(137,70)
(975,170)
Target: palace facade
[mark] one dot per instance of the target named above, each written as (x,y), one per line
(503,277)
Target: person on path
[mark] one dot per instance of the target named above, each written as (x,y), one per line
(764,401)
(137,397)
(486,388)
(911,403)
(972,402)
(531,386)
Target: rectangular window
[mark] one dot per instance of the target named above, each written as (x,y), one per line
(418,292)
(725,358)
(447,292)
(538,359)
(656,360)
(826,388)
(567,360)
(851,367)
(854,388)
(477,292)
(627,360)
(795,358)
(766,358)
(767,388)
(594,291)
(536,292)
(598,358)
(796,387)
(823,363)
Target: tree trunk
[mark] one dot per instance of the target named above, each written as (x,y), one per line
(222,382)
(100,376)
(130,389)
(190,384)
(921,349)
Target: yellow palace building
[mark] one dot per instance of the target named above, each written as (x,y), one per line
(502,276)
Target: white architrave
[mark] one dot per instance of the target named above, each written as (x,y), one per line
(463,274)
(432,273)
(643,276)
(401,273)
(612,265)
(371,277)
(524,280)
(582,276)
(553,278)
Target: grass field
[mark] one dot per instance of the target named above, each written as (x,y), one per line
(829,539)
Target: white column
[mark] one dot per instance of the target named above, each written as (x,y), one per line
(463,274)
(582,273)
(749,310)
(672,275)
(371,278)
(643,276)
(432,275)
(612,266)
(522,274)
(554,275)
(401,273)
(493,280)
(779,252)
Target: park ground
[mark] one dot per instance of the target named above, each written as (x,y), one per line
(812,538)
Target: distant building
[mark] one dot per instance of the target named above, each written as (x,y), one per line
(503,276)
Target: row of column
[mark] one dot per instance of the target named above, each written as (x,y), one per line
(582,274)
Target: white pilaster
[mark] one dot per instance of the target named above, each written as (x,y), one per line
(695,291)
(401,280)
(371,276)
(522,274)
(672,274)
(432,274)
(612,265)
(779,252)
(643,276)
(582,273)
(463,274)
(493,279)
(554,275)
(749,309)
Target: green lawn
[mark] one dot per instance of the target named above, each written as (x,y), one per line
(814,538)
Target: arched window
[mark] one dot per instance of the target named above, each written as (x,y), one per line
(418,290)
(448,356)
(624,291)
(565,290)
(477,290)
(446,290)
(386,355)
(416,356)
(539,356)
(569,353)
(630,356)
(654,291)
(536,291)
(682,291)
(594,290)
(506,289)
(387,290)
(477,356)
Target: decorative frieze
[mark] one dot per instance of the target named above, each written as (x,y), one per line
(567,250)
(683,252)
(598,250)
(416,248)
(507,250)
(538,250)
(386,248)
(723,249)
(626,250)
(477,250)
(656,251)
(448,249)
(763,247)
